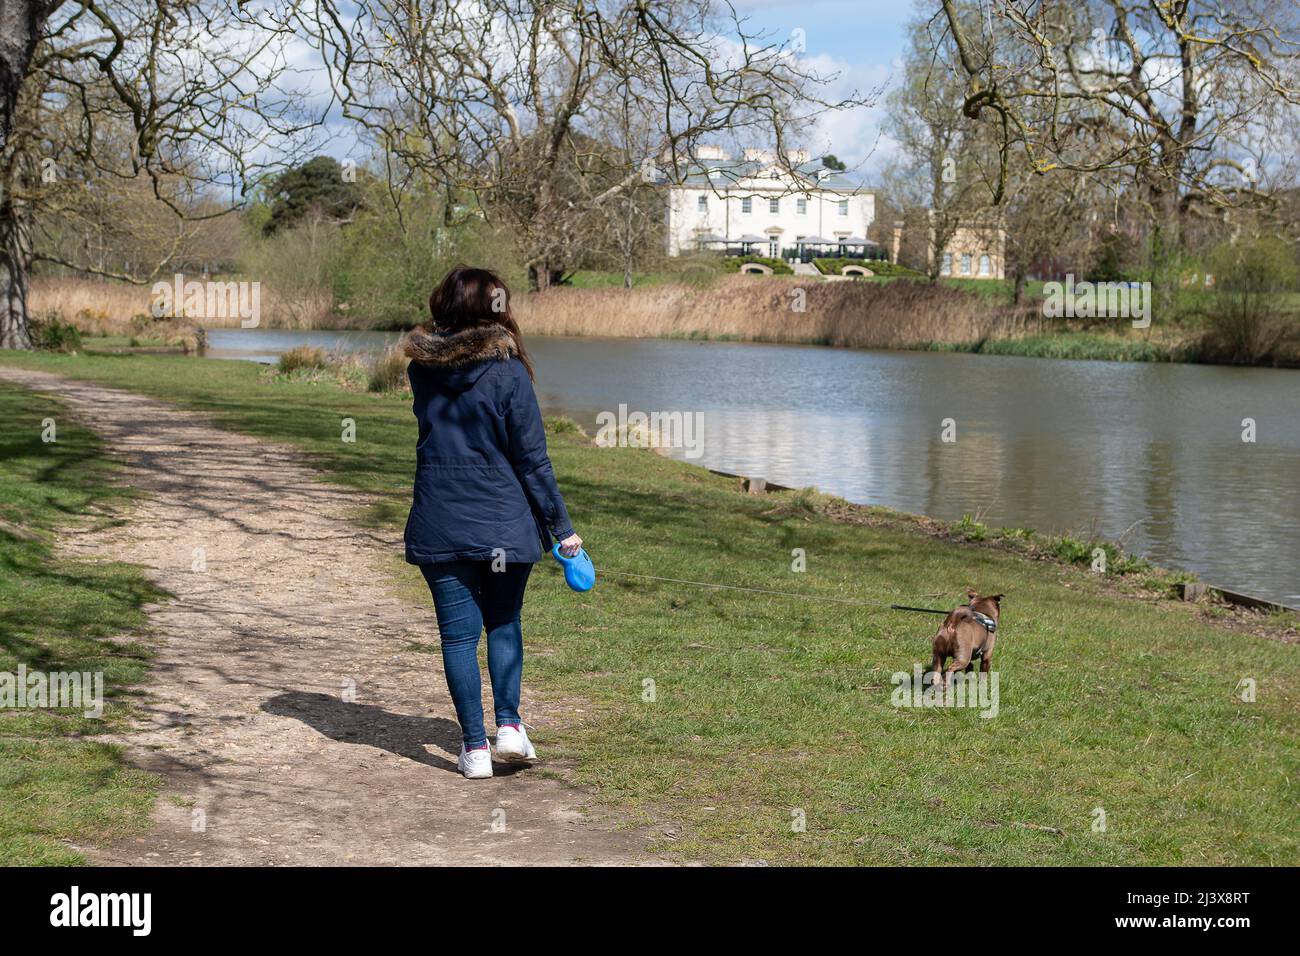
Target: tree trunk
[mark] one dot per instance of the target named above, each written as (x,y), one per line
(15,263)
(20,28)
(1165,249)
(16,180)
(541,276)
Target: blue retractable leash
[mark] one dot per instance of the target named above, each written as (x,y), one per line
(579,572)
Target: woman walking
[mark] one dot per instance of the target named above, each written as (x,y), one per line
(485,499)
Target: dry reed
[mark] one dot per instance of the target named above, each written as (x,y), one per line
(388,371)
(99,307)
(797,309)
(744,308)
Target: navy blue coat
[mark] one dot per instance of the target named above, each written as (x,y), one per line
(483,479)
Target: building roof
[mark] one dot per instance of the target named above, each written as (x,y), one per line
(722,173)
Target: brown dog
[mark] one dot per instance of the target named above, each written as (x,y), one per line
(964,637)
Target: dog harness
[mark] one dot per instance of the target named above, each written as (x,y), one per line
(989,625)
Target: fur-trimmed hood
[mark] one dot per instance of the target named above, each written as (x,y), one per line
(451,350)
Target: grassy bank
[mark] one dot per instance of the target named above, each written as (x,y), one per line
(61,784)
(723,719)
(1076,345)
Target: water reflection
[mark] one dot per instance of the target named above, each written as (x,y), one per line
(1153,452)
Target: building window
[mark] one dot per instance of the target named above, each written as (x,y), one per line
(702,204)
(946,268)
(965,263)
(747,205)
(986,265)
(844,207)
(774,205)
(801,207)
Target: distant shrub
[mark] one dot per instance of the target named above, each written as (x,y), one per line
(192,339)
(50,333)
(386,263)
(1071,550)
(880,267)
(563,425)
(1077,551)
(778,266)
(388,372)
(1251,280)
(303,357)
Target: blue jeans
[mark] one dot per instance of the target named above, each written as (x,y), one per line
(468,596)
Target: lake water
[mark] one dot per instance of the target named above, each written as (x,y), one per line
(1152,452)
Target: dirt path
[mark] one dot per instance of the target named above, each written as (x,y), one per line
(246,718)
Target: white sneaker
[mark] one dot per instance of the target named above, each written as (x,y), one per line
(475,764)
(514,744)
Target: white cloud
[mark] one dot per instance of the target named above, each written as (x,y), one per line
(852,134)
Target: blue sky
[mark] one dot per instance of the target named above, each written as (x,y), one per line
(861,41)
(865,31)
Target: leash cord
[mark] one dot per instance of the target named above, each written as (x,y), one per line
(794,594)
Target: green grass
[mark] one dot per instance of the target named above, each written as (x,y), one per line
(998,290)
(92,343)
(766,706)
(1081,345)
(1069,345)
(59,783)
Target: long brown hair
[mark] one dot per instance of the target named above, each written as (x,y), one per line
(468,297)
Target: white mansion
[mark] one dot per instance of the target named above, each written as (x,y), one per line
(755,205)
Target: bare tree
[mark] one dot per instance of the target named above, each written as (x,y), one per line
(1179,94)
(941,179)
(1050,221)
(194,89)
(486,99)
(631,221)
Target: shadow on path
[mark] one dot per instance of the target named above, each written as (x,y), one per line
(373,726)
